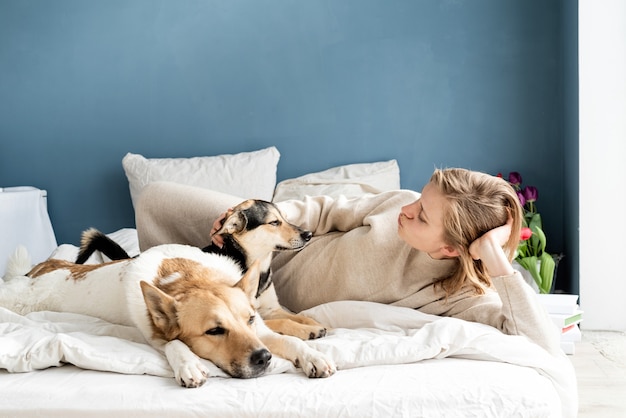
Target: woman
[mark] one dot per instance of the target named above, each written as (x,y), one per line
(447,252)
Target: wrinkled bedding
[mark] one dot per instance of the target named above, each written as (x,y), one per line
(364,335)
(392,361)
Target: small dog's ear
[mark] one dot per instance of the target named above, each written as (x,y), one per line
(249,283)
(236,222)
(162,310)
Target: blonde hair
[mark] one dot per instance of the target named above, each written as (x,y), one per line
(476,203)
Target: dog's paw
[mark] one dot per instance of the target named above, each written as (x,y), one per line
(297,328)
(316,364)
(317,332)
(303,332)
(188,368)
(191,374)
(313,332)
(310,329)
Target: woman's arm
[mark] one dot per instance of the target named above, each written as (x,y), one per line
(521,313)
(323,214)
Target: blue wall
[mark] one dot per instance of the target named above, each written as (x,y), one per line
(477,84)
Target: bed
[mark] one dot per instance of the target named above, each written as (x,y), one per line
(391,361)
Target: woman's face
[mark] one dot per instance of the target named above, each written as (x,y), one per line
(420,224)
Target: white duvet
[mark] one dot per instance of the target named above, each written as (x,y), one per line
(364,334)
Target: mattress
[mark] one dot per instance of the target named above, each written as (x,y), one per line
(391,361)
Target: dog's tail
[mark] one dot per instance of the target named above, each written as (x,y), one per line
(18,263)
(93,240)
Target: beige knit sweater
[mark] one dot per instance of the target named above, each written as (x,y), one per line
(355,254)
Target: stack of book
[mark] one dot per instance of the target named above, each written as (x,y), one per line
(566,315)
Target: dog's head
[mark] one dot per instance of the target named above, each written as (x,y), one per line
(216,320)
(260,228)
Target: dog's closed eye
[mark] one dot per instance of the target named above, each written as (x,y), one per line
(215,331)
(275,223)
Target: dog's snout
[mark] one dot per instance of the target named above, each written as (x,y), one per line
(260,358)
(306,235)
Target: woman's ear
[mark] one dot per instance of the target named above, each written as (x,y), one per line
(449,251)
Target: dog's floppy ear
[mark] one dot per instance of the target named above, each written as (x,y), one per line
(162,310)
(250,281)
(234,223)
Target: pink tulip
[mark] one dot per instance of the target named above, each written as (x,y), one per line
(525,234)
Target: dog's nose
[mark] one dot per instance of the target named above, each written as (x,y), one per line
(260,358)
(307,235)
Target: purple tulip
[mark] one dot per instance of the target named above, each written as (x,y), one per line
(515,178)
(522,199)
(530,193)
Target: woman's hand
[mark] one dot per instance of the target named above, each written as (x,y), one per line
(217,225)
(488,249)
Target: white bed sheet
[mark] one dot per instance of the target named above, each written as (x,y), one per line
(431,388)
(392,362)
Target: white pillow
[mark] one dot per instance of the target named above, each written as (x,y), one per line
(247,174)
(348,180)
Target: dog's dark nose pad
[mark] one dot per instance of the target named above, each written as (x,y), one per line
(261,358)
(307,235)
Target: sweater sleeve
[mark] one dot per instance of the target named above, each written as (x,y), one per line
(323,214)
(514,310)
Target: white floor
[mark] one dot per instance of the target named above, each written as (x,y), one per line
(600,363)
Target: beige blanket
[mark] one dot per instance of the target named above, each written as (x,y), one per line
(355,255)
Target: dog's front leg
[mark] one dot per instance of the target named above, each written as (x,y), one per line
(279,320)
(188,368)
(312,362)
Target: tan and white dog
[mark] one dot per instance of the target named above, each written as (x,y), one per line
(186,303)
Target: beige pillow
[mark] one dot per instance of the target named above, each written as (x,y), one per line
(247,174)
(350,180)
